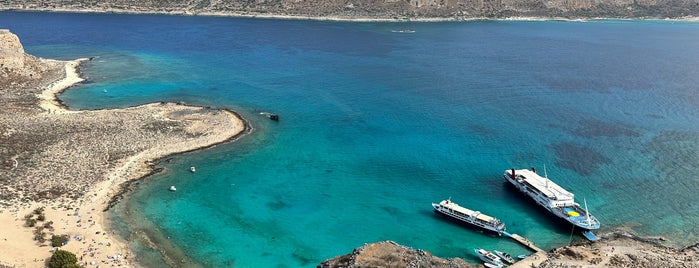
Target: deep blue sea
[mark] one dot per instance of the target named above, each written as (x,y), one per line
(377,124)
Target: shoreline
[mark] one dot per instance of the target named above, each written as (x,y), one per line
(49,98)
(92,237)
(341,18)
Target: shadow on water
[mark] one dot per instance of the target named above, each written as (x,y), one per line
(542,216)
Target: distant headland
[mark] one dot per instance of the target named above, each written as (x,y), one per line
(388,10)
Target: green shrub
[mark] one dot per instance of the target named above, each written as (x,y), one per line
(30,222)
(62,258)
(58,240)
(39,234)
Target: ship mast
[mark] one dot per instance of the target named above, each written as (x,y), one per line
(546,176)
(587,213)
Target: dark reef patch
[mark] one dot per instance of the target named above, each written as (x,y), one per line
(591,128)
(277,205)
(391,210)
(675,154)
(582,160)
(481,130)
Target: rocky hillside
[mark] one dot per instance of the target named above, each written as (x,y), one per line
(390,254)
(383,9)
(15,65)
(615,249)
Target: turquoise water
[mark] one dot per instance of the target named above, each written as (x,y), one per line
(376,125)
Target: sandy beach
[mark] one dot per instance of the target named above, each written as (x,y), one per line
(73,174)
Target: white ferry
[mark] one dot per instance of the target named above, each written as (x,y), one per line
(552,197)
(476,218)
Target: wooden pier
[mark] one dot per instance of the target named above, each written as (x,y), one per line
(533,260)
(525,242)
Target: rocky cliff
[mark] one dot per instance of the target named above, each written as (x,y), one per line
(383,9)
(20,69)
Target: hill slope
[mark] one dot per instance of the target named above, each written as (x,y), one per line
(383,9)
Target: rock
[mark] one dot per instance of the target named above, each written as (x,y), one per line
(11,52)
(391,254)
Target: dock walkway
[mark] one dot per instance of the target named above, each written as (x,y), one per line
(524,242)
(533,260)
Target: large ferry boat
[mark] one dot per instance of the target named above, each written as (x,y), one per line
(552,197)
(462,214)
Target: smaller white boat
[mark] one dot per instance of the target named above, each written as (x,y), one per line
(172,188)
(522,257)
(490,265)
(192,169)
(504,256)
(489,257)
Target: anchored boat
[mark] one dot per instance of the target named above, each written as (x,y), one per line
(504,256)
(552,197)
(462,214)
(489,257)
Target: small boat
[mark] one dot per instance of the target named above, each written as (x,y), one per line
(590,236)
(273,117)
(490,265)
(489,257)
(172,188)
(522,257)
(192,169)
(504,256)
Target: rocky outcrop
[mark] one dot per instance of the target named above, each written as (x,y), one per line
(22,75)
(12,57)
(390,254)
(622,249)
(386,9)
(615,249)
(11,51)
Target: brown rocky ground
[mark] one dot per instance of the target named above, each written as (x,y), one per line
(390,254)
(614,249)
(622,249)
